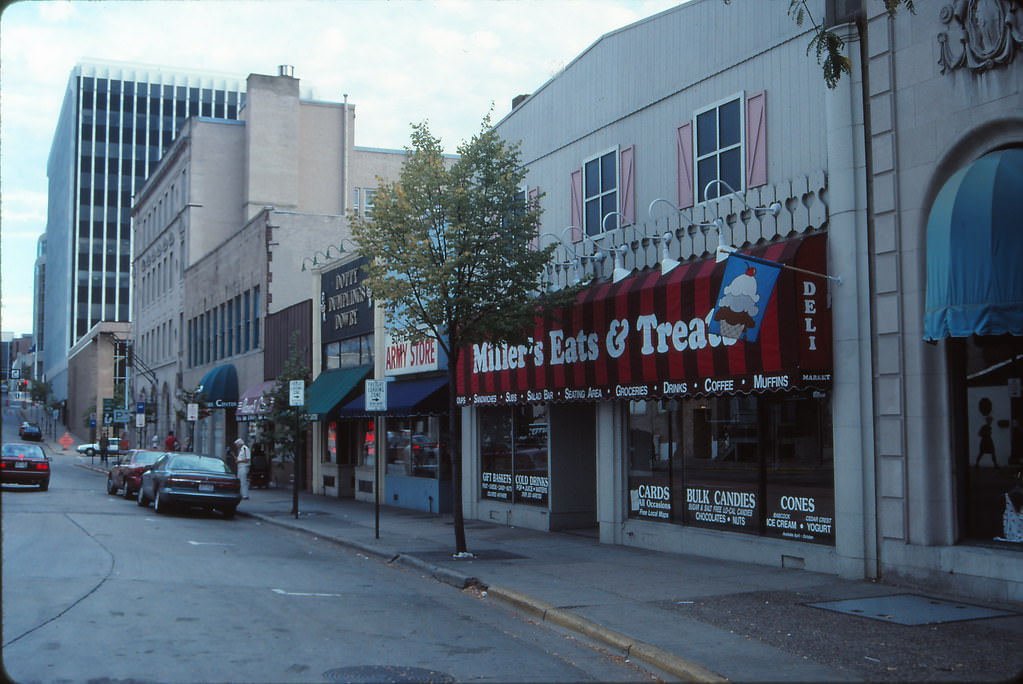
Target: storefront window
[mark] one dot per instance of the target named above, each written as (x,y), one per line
(331,455)
(368,452)
(415,447)
(987,374)
(514,454)
(760,464)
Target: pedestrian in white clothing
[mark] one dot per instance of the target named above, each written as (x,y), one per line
(243,459)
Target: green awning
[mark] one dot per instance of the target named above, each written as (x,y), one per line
(330,388)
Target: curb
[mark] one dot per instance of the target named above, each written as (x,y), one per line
(680,667)
(438,572)
(668,662)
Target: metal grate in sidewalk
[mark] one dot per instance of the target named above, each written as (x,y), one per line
(911,609)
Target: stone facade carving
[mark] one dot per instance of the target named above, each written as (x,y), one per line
(982,34)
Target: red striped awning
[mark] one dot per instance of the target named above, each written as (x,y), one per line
(657,336)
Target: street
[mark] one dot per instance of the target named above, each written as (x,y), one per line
(96,588)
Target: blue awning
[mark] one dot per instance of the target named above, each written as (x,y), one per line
(330,388)
(975,251)
(424,397)
(219,387)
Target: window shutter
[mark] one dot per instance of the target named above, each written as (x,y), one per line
(756,139)
(577,205)
(684,140)
(628,189)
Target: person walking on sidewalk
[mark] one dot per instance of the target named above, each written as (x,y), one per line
(243,459)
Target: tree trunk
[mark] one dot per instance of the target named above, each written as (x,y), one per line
(455,449)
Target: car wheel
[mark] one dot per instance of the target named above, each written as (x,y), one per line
(90,452)
(43,486)
(228,512)
(157,506)
(111,487)
(141,499)
(127,490)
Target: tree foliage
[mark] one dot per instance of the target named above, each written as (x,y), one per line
(828,45)
(40,390)
(452,255)
(289,422)
(450,243)
(191,396)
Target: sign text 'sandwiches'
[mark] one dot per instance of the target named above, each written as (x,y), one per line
(652,336)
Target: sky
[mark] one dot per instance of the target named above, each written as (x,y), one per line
(399,61)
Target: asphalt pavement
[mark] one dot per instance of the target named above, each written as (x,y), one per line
(688,618)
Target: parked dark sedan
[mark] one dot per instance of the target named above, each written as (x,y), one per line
(25,464)
(30,431)
(126,473)
(193,480)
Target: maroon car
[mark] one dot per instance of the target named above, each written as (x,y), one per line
(25,464)
(126,474)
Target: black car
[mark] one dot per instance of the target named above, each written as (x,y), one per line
(30,431)
(25,464)
(192,480)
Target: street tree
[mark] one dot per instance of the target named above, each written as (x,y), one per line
(186,397)
(40,390)
(452,256)
(289,422)
(828,45)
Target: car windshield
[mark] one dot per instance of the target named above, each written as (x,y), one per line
(206,464)
(22,451)
(147,457)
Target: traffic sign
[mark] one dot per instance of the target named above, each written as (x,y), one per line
(122,416)
(376,395)
(296,393)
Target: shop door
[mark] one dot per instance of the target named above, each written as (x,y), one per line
(573,467)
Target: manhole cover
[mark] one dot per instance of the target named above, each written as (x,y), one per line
(910,609)
(386,674)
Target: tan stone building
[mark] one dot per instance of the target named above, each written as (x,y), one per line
(222,231)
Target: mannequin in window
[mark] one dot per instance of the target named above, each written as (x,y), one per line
(987,445)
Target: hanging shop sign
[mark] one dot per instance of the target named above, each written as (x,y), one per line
(705,328)
(346,304)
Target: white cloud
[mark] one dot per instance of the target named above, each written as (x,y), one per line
(400,62)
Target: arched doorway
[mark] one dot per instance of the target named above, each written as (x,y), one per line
(974,304)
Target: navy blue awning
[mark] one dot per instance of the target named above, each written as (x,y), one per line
(330,388)
(424,397)
(219,387)
(975,251)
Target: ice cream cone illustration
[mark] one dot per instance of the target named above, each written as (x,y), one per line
(738,305)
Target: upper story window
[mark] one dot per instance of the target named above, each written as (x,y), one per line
(363,201)
(719,148)
(600,192)
(726,141)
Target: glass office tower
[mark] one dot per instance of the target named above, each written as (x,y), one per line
(116,121)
